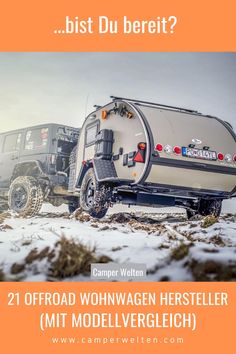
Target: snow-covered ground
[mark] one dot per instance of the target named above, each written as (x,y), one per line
(173,248)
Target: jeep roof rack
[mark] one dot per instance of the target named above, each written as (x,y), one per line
(155,104)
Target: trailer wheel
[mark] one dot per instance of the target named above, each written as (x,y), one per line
(210,207)
(73,205)
(92,198)
(25,196)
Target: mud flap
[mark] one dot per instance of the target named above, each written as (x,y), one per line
(104,170)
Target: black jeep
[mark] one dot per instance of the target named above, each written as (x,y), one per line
(35,167)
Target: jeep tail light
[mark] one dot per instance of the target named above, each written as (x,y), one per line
(234,158)
(177,150)
(158,147)
(52,159)
(220,156)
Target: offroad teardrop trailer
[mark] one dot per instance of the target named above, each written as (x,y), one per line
(142,153)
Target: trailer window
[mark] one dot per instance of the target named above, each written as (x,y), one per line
(90,135)
(12,143)
(36,139)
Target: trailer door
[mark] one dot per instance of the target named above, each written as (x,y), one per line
(91,131)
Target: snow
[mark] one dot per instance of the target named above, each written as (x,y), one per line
(211,250)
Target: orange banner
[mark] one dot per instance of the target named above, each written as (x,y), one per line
(106,25)
(117,317)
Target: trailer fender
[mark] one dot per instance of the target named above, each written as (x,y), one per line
(104,171)
(84,168)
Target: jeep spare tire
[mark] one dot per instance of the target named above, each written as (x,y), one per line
(92,200)
(25,196)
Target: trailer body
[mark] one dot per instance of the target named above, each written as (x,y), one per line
(152,154)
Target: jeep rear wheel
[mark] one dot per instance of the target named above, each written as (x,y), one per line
(210,207)
(25,196)
(92,200)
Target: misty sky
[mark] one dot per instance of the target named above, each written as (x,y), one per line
(62,87)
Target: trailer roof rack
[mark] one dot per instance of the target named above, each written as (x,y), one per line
(154,104)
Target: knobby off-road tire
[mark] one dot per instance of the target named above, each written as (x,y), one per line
(210,207)
(93,198)
(25,196)
(205,208)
